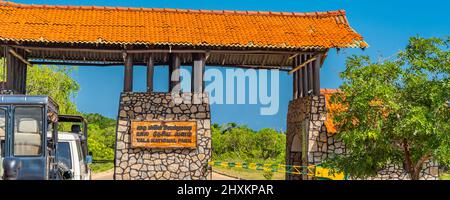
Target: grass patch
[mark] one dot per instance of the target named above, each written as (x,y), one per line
(444,176)
(249,174)
(101,167)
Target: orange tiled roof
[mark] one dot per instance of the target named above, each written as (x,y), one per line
(148,26)
(331,108)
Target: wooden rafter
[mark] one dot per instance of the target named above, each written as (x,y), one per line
(304,64)
(18,56)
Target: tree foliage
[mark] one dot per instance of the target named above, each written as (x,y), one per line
(101,136)
(397,111)
(56,82)
(231,142)
(52,81)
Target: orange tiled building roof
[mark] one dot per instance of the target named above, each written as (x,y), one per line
(148,26)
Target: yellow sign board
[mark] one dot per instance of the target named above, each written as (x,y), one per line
(163,134)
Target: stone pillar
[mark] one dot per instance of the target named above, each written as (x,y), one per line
(305,122)
(296,114)
(162,164)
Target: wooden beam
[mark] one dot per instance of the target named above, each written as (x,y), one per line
(310,76)
(111,64)
(82,64)
(174,73)
(207,56)
(128,75)
(295,89)
(245,59)
(18,56)
(305,77)
(303,64)
(198,69)
(161,50)
(316,72)
(299,76)
(150,69)
(10,76)
(23,82)
(293,56)
(256,67)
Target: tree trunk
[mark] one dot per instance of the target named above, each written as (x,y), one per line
(408,162)
(415,175)
(413,169)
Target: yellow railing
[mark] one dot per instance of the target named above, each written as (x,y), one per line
(316,171)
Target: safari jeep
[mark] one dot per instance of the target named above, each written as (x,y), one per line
(73,148)
(28,135)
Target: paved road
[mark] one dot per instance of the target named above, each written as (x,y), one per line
(108,175)
(217,176)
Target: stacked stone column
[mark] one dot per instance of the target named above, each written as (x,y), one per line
(306,136)
(162,164)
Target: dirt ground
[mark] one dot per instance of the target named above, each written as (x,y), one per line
(108,175)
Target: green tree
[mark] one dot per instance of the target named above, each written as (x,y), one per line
(56,82)
(270,143)
(52,81)
(101,136)
(232,142)
(396,111)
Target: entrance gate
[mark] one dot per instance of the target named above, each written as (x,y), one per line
(107,36)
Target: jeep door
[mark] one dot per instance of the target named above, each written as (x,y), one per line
(29,142)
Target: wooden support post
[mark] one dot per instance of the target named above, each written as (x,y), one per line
(16,71)
(9,70)
(198,70)
(23,81)
(295,89)
(300,77)
(128,77)
(305,77)
(174,73)
(316,72)
(150,69)
(310,77)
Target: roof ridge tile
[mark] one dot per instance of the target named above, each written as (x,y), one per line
(241,12)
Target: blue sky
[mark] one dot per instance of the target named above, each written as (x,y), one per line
(385,24)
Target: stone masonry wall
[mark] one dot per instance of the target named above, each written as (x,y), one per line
(393,172)
(162,164)
(298,111)
(309,114)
